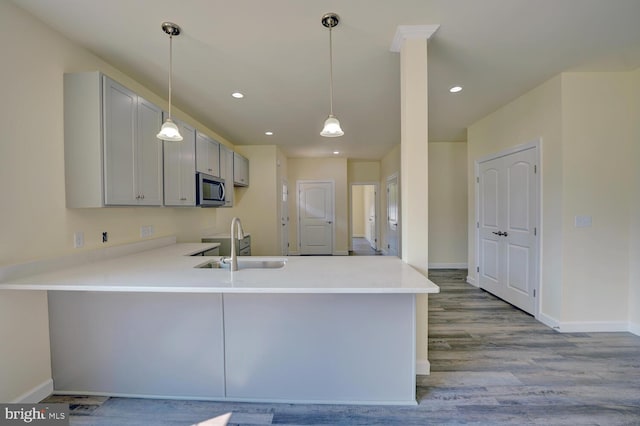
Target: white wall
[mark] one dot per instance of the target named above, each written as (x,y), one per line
(334,169)
(597,171)
(588,123)
(447,204)
(257,205)
(357,211)
(634,228)
(35,222)
(536,114)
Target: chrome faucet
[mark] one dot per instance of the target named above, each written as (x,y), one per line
(234,237)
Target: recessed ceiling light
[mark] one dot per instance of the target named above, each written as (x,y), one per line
(336,152)
(268,133)
(237,95)
(455,89)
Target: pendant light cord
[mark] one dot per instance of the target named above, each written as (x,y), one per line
(330,70)
(170,70)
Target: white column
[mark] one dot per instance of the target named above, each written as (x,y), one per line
(411,42)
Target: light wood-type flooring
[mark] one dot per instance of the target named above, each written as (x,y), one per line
(491,364)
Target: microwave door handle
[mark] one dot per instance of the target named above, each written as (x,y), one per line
(223,194)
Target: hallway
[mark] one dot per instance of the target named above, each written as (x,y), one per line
(361,247)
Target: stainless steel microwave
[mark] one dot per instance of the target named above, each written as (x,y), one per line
(209,190)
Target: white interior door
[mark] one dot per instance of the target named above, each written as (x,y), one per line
(370,213)
(507,228)
(315,217)
(393,216)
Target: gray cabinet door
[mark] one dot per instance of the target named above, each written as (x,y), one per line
(226,173)
(132,153)
(180,169)
(240,170)
(207,155)
(120,105)
(148,151)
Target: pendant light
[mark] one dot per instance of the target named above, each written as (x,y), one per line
(169,131)
(331,125)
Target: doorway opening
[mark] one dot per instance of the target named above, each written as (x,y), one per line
(364,219)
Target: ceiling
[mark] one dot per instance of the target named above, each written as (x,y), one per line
(276,52)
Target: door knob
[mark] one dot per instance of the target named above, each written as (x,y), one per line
(329,222)
(501,234)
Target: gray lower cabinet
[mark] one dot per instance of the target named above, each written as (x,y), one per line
(329,348)
(147,344)
(243,248)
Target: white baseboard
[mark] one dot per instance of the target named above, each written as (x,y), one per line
(358,236)
(335,253)
(423,367)
(36,394)
(549,321)
(589,326)
(472,281)
(593,326)
(447,266)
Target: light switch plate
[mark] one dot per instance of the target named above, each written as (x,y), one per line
(78,239)
(583,221)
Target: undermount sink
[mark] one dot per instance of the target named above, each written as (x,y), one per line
(245,264)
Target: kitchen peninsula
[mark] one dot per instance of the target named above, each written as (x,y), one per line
(152,323)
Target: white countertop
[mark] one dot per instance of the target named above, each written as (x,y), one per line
(170,269)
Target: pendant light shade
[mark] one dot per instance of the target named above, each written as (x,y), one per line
(169,131)
(332,127)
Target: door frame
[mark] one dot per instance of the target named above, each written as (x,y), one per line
(332,182)
(537,145)
(376,202)
(385,250)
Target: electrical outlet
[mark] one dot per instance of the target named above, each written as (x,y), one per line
(105,237)
(146,231)
(583,221)
(78,239)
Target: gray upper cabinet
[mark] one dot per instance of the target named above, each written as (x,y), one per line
(133,154)
(112,155)
(207,155)
(180,168)
(226,173)
(240,170)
